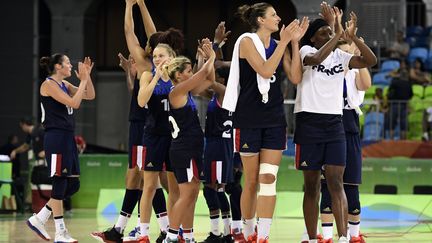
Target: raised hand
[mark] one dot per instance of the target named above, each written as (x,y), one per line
(338,21)
(125,64)
(286,33)
(301,30)
(88,64)
(220,33)
(82,73)
(130,2)
(208,50)
(351,26)
(160,68)
(328,14)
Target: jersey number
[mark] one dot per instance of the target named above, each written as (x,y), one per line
(227,133)
(176,129)
(165,104)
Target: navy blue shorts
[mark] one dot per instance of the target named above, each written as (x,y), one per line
(353,168)
(252,140)
(61,153)
(314,156)
(237,163)
(156,150)
(218,161)
(136,148)
(186,165)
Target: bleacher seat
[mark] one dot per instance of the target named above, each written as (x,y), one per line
(381,78)
(369,93)
(415,30)
(418,52)
(418,90)
(428,92)
(389,65)
(373,126)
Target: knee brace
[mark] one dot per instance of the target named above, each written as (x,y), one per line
(59,185)
(325,204)
(353,199)
(223,202)
(268,189)
(211,198)
(73,185)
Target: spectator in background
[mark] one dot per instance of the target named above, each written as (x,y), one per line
(34,140)
(380,102)
(398,49)
(418,75)
(400,91)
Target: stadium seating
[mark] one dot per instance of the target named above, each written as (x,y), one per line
(381,78)
(418,90)
(373,126)
(418,52)
(390,65)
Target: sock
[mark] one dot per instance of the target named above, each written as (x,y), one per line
(122,222)
(144,229)
(305,236)
(226,219)
(214,224)
(313,241)
(44,213)
(236,226)
(235,202)
(163,221)
(264,228)
(248,227)
(327,229)
(59,224)
(172,234)
(130,200)
(188,234)
(354,228)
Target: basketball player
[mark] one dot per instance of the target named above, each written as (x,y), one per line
(319,135)
(59,98)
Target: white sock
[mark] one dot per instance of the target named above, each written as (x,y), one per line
(138,221)
(227,225)
(163,222)
(313,241)
(44,214)
(59,224)
(144,229)
(248,227)
(327,229)
(264,228)
(354,228)
(305,236)
(188,234)
(236,225)
(214,225)
(172,236)
(121,223)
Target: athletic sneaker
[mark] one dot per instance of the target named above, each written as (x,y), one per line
(132,236)
(64,237)
(178,240)
(305,238)
(228,239)
(161,237)
(144,239)
(38,227)
(325,240)
(252,238)
(358,239)
(212,238)
(108,236)
(343,239)
(263,241)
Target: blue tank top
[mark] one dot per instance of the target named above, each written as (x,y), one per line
(56,115)
(158,106)
(350,117)
(218,120)
(185,127)
(136,113)
(251,112)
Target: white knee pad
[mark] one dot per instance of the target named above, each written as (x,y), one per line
(268,189)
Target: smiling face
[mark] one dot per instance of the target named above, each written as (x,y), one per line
(160,54)
(65,68)
(270,20)
(321,37)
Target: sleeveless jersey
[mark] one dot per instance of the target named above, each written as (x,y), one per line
(185,127)
(251,112)
(136,113)
(158,107)
(218,120)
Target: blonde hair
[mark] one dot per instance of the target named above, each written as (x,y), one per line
(168,48)
(177,64)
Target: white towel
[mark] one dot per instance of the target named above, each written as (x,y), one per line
(355,97)
(233,85)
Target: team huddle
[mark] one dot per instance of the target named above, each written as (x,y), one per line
(245,128)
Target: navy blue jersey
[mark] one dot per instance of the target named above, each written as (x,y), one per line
(250,111)
(158,107)
(55,114)
(350,117)
(136,113)
(185,127)
(218,120)
(318,128)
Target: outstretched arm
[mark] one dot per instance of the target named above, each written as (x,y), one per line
(149,26)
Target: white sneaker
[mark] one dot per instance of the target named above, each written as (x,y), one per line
(133,235)
(343,239)
(38,227)
(64,237)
